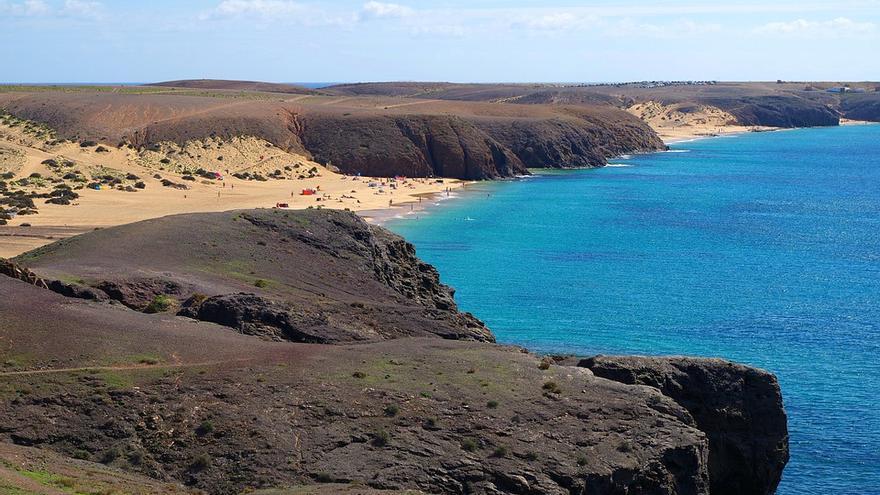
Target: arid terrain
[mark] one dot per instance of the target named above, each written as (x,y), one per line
(75,158)
(192,353)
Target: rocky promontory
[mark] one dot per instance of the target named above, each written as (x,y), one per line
(738,407)
(193,350)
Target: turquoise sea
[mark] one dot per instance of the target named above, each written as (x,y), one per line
(761,248)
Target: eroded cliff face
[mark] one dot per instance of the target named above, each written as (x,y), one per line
(571,142)
(861,106)
(410,145)
(778,111)
(250,395)
(738,407)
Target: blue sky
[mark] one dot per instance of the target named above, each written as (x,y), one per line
(451,40)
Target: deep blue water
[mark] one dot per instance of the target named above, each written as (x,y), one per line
(761,248)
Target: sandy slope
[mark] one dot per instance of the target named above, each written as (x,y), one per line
(677,122)
(23,153)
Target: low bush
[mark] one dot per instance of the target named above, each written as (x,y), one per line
(160,304)
(200,463)
(381,438)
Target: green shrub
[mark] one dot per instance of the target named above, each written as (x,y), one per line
(500,451)
(552,387)
(492,404)
(381,438)
(469,445)
(261,283)
(160,304)
(391,410)
(205,428)
(200,463)
(110,455)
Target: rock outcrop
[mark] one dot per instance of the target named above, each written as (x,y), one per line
(738,407)
(864,106)
(309,276)
(409,145)
(198,404)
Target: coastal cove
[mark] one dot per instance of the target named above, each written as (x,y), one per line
(760,248)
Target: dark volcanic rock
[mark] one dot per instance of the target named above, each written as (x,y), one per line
(310,276)
(77,291)
(410,145)
(740,409)
(199,404)
(572,142)
(777,111)
(864,106)
(254,315)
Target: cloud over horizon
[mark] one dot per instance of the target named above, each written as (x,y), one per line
(452,40)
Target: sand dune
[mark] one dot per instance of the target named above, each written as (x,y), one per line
(681,121)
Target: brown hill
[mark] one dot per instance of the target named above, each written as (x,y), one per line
(235,86)
(265,273)
(751,103)
(377,136)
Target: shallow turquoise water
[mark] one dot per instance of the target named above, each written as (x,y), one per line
(762,248)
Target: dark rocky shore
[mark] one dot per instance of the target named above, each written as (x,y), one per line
(271,349)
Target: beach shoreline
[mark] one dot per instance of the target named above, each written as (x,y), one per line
(116,186)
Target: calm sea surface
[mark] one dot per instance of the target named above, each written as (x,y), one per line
(761,248)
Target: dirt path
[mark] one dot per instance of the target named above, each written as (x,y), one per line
(420,102)
(132,367)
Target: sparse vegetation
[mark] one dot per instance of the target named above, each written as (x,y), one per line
(552,387)
(469,445)
(200,463)
(160,304)
(205,428)
(391,410)
(381,438)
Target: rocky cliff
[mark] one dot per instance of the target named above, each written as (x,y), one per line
(371,136)
(306,276)
(864,106)
(738,407)
(242,394)
(409,145)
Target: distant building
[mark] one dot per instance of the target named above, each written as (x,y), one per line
(838,89)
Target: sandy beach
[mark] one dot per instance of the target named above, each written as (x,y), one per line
(23,156)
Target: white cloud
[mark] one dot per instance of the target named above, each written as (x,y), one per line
(82,8)
(25,8)
(286,11)
(840,27)
(39,8)
(554,21)
(381,9)
(258,7)
(677,29)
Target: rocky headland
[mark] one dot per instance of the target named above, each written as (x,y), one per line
(309,352)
